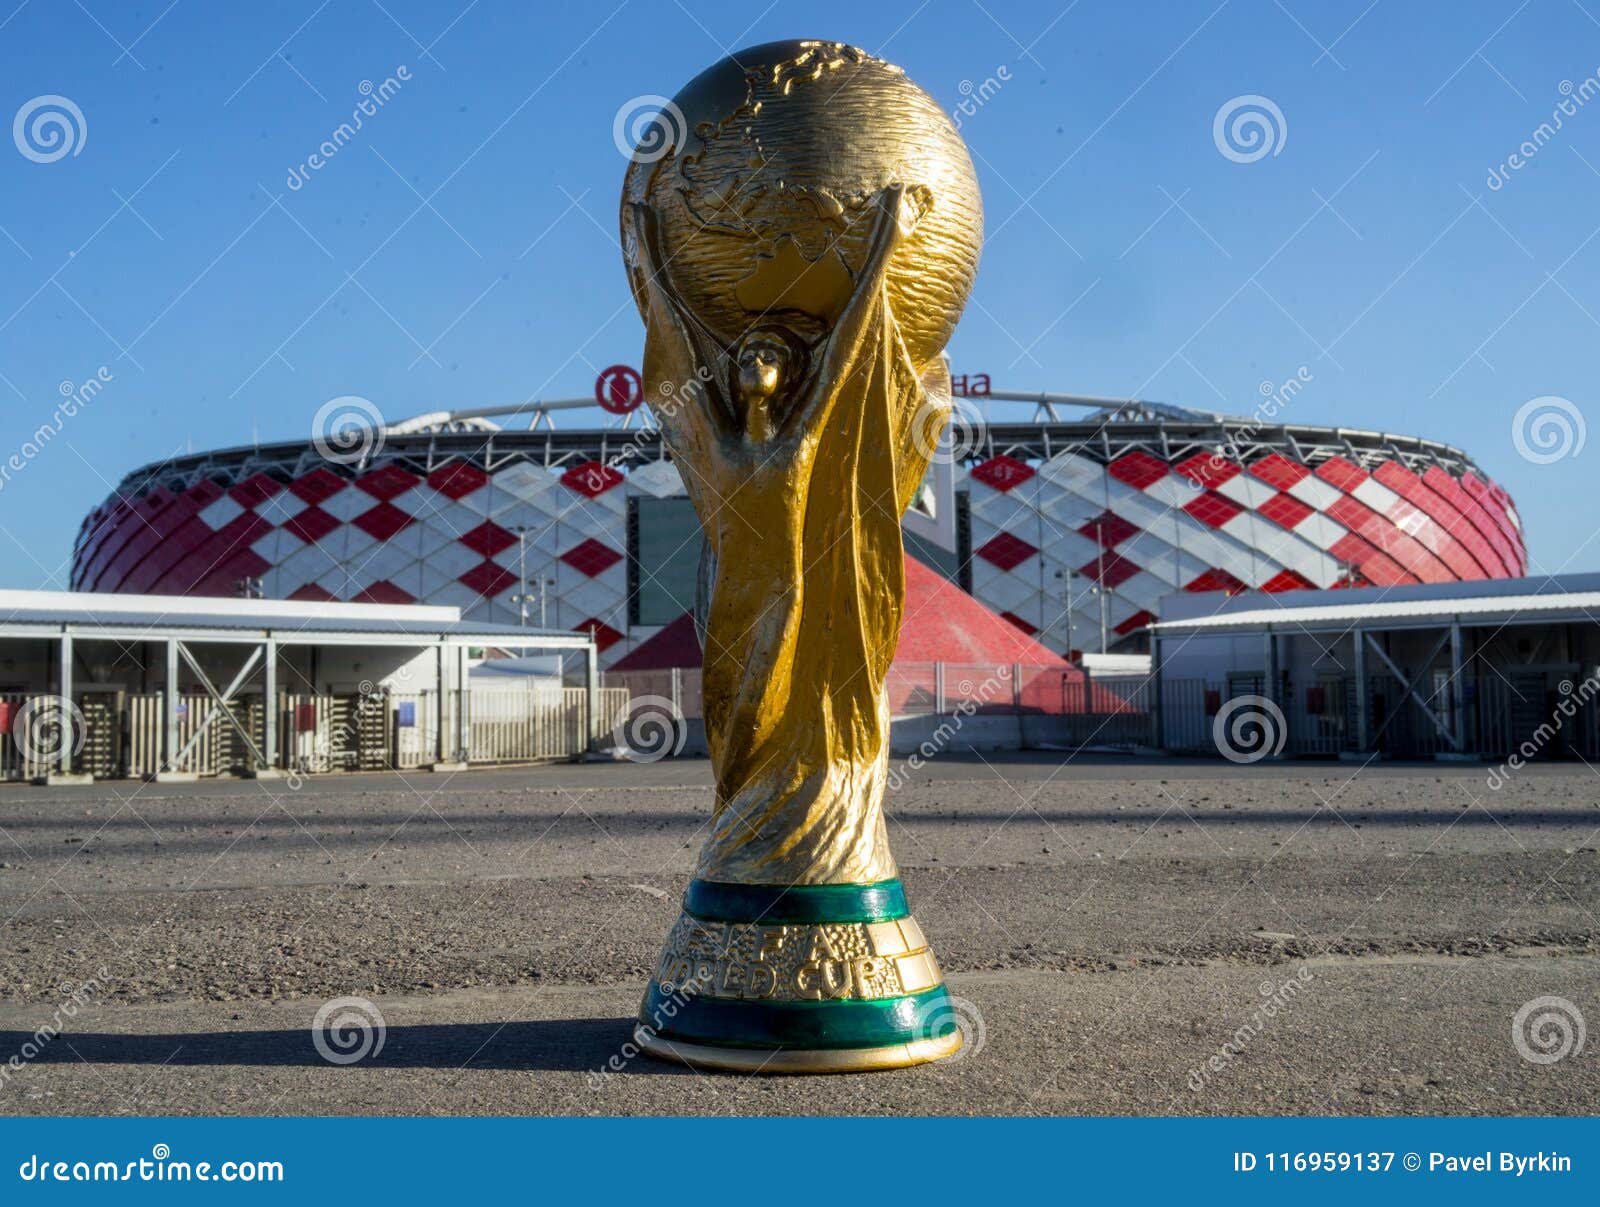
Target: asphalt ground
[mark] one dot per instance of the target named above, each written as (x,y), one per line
(1115,927)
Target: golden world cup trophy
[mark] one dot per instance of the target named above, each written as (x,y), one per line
(800,242)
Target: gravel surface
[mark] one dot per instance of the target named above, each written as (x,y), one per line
(1111,921)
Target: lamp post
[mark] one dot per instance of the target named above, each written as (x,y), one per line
(522,598)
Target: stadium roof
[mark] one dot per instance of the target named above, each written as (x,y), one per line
(158,617)
(1514,601)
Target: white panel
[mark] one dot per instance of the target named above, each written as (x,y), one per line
(1074,473)
(382,562)
(1168,563)
(1174,490)
(523,480)
(221,512)
(1001,591)
(659,478)
(1293,552)
(421,501)
(346,504)
(1313,490)
(1321,531)
(281,507)
(1376,496)
(452,559)
(305,565)
(1246,490)
(278,545)
(1145,592)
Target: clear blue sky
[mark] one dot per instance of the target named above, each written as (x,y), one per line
(1126,254)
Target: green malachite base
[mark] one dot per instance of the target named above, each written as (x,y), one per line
(822,978)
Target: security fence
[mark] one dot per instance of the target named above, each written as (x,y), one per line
(122,734)
(1502,712)
(1072,707)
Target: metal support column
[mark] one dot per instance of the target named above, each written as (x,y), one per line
(463,706)
(69,736)
(1458,688)
(269,704)
(591,690)
(1363,725)
(169,712)
(1156,735)
(1269,686)
(441,711)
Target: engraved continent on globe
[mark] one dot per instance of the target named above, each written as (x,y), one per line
(766,206)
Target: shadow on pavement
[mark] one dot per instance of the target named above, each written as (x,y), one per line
(548,1045)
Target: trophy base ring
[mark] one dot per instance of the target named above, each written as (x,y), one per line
(791,1061)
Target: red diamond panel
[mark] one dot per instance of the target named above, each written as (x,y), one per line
(457,479)
(1336,471)
(1213,509)
(1137,621)
(1376,567)
(255,489)
(488,579)
(1019,622)
(1003,473)
(591,557)
(1285,510)
(311,525)
(1006,551)
(313,592)
(488,538)
(1109,529)
(382,521)
(1277,470)
(591,479)
(604,635)
(1215,580)
(1207,469)
(1286,580)
(202,494)
(1138,469)
(1110,569)
(318,485)
(387,482)
(384,592)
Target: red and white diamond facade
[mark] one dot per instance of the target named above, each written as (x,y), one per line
(1111,513)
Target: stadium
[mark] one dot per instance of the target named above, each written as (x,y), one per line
(1071,517)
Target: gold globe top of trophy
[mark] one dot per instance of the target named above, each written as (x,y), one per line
(765,202)
(801,226)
